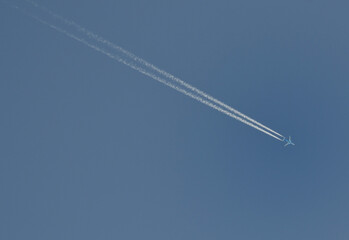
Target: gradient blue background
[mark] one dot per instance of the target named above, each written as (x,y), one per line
(90,149)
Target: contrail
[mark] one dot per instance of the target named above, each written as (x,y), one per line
(149,65)
(143,71)
(166,74)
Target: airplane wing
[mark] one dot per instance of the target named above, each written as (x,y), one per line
(286,144)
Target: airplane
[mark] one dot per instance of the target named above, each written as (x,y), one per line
(288,142)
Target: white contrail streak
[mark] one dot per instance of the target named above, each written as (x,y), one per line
(155,77)
(149,65)
(166,74)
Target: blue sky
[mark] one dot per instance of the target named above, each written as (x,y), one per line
(91,149)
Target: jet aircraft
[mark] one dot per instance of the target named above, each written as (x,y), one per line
(288,141)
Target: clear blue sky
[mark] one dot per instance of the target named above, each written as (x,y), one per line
(91,149)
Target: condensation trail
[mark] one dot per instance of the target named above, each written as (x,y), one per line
(166,74)
(149,65)
(143,71)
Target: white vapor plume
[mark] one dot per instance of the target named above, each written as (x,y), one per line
(203,97)
(149,65)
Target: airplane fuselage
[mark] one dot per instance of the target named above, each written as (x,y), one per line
(288,141)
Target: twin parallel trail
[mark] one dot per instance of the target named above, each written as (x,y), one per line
(129,59)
